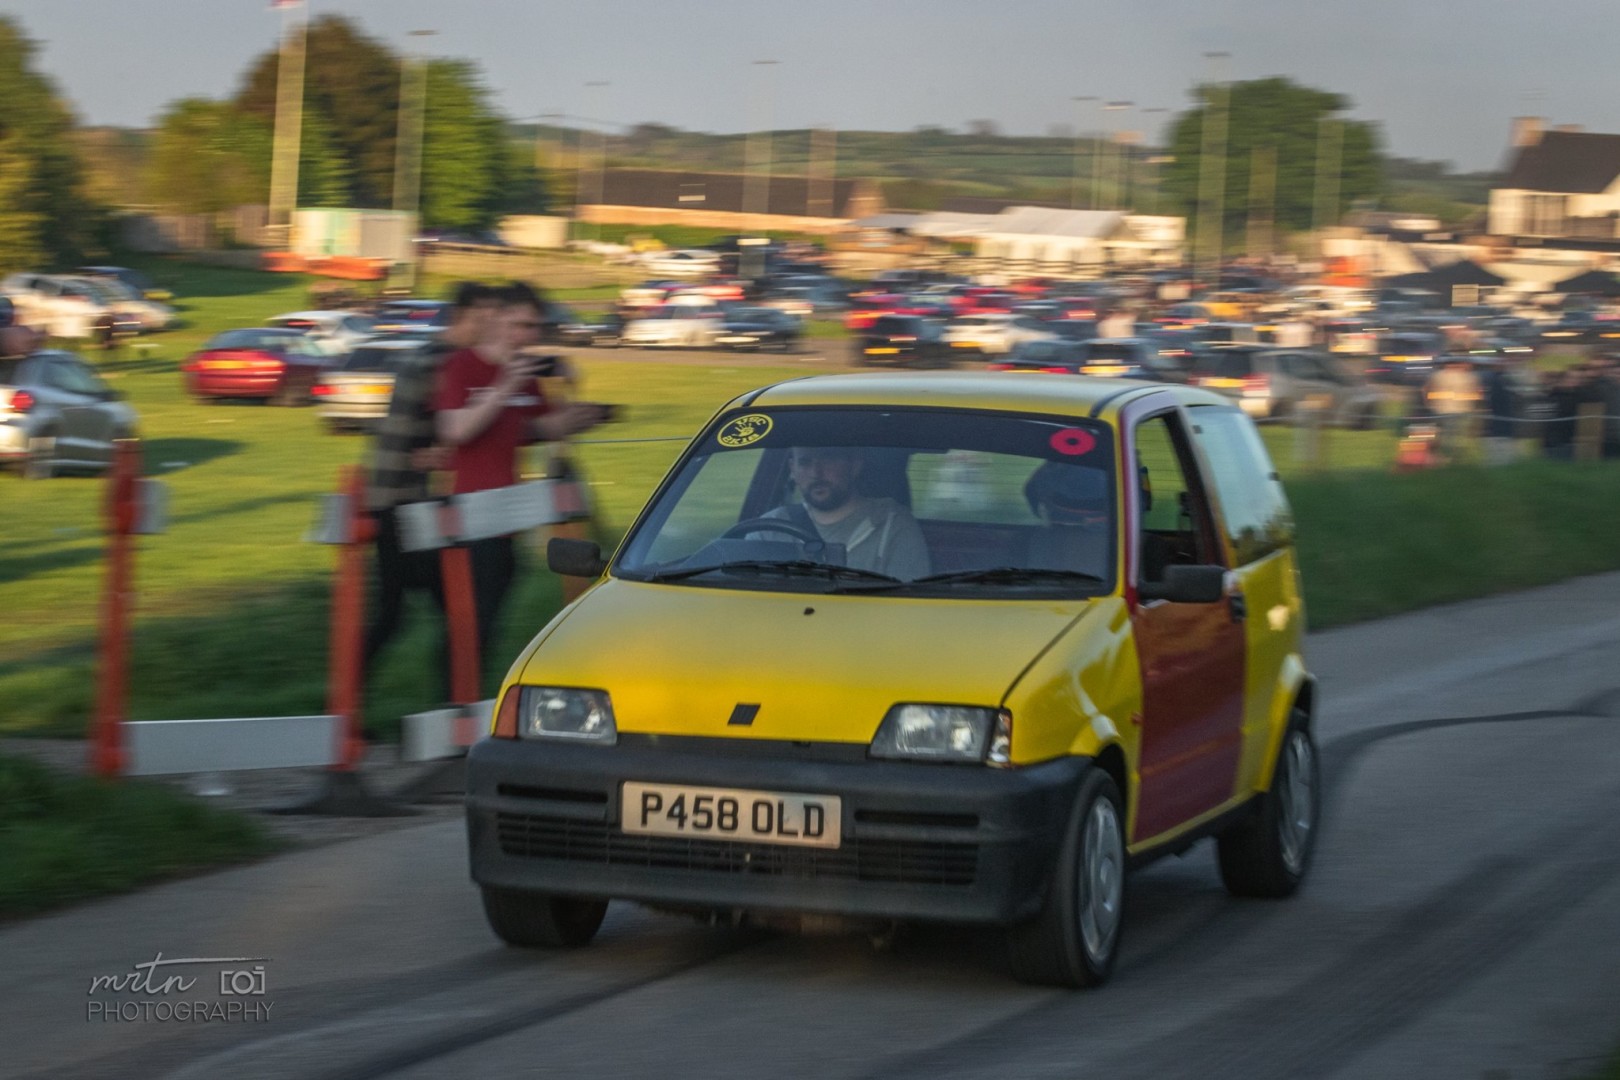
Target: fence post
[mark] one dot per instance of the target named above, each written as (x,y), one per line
(121,507)
(460,610)
(1589,432)
(345,680)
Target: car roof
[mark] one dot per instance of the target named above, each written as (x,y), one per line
(1033,393)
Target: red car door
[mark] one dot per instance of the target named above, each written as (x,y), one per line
(1192,655)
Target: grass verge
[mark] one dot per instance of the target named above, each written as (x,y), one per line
(1375,544)
(64,838)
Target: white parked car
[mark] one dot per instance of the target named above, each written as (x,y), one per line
(687,262)
(676,326)
(994,334)
(127,303)
(332,332)
(62,307)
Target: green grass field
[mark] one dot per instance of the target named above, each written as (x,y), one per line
(70,838)
(233,604)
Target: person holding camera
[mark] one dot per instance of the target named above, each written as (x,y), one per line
(489,404)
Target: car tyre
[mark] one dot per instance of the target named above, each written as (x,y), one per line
(40,464)
(532,920)
(1268,853)
(1075,938)
(286,395)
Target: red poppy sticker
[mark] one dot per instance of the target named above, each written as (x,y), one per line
(1073,442)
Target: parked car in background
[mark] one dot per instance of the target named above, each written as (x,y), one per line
(278,364)
(805,300)
(993,334)
(56,414)
(675,326)
(1288,383)
(1405,359)
(759,328)
(62,307)
(684,263)
(411,317)
(913,340)
(132,312)
(565,326)
(353,396)
(134,279)
(1054,356)
(1580,327)
(331,332)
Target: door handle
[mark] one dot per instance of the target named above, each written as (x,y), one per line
(1239,607)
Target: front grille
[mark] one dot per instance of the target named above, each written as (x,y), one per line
(908,862)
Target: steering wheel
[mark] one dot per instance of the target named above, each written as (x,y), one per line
(765,524)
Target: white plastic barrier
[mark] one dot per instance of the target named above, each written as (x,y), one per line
(164,747)
(443,733)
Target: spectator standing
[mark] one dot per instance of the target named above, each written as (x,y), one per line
(15,338)
(403,459)
(1501,414)
(489,404)
(1453,394)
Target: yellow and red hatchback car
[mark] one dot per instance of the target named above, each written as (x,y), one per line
(943,647)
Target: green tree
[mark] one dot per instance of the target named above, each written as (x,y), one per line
(466,158)
(1288,118)
(207,156)
(44,213)
(352,81)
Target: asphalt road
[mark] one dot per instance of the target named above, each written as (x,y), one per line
(1463,920)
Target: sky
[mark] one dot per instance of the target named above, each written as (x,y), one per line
(1442,77)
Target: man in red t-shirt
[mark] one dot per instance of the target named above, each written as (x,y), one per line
(489,404)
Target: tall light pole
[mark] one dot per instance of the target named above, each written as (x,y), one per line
(1131,177)
(1212,172)
(289,117)
(1095,202)
(412,123)
(408,140)
(757,195)
(585,158)
(1079,131)
(1329,155)
(1115,151)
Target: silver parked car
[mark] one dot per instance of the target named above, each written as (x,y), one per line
(56,414)
(354,396)
(1287,384)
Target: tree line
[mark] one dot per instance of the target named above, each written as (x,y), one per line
(60,186)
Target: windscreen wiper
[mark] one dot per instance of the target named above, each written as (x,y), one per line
(786,567)
(1008,575)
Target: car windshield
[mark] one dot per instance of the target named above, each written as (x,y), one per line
(1234,364)
(905,500)
(414,313)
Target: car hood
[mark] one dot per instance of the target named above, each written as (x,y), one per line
(678,660)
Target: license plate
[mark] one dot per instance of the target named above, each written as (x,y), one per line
(1101,369)
(1223,384)
(761,817)
(882,352)
(226,365)
(965,344)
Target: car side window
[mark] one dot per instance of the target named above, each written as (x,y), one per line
(74,377)
(1254,510)
(1174,524)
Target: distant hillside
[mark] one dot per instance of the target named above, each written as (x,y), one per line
(923,168)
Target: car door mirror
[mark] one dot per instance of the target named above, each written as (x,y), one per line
(575,558)
(1181,585)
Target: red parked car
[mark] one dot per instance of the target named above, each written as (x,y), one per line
(277,365)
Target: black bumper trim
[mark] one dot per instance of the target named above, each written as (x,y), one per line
(953,843)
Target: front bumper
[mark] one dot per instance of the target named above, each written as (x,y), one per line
(919,841)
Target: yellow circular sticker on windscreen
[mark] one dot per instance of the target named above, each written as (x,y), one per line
(744,430)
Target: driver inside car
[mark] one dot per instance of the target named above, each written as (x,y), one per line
(876,534)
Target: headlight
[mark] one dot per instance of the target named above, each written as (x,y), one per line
(559,712)
(945,733)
